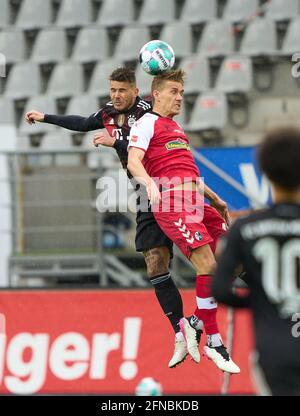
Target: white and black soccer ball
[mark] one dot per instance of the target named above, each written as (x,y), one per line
(148,386)
(156,57)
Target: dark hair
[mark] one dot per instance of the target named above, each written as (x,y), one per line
(123,74)
(279,157)
(176,75)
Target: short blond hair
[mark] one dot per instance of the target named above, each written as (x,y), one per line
(176,75)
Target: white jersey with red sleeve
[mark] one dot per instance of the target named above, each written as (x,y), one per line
(167,150)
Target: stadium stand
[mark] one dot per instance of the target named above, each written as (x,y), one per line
(199,11)
(157,12)
(237,11)
(32,16)
(12,45)
(217,39)
(50,46)
(109,15)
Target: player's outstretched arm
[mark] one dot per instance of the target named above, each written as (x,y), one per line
(75,123)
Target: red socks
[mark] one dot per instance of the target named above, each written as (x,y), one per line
(206,305)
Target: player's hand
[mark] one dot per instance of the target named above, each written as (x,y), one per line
(104,139)
(153,192)
(222,208)
(32,116)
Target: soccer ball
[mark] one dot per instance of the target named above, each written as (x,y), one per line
(148,387)
(156,57)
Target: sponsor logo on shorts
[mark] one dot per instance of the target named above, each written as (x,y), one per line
(198,236)
(176,144)
(134,139)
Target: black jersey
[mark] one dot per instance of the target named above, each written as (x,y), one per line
(267,243)
(117,123)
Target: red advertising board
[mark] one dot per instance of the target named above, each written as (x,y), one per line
(104,342)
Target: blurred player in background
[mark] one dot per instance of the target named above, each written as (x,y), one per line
(159,150)
(267,243)
(117,117)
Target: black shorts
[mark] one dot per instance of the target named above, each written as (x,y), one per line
(148,233)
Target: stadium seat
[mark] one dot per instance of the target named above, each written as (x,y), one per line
(143,81)
(59,140)
(74,13)
(24,81)
(279,10)
(260,38)
(198,77)
(103,157)
(83,105)
(42,103)
(66,80)
(237,10)
(209,112)
(50,46)
(110,14)
(7,114)
(199,11)
(32,16)
(292,40)
(99,85)
(157,12)
(5,14)
(91,45)
(217,39)
(235,75)
(12,45)
(266,111)
(130,42)
(179,35)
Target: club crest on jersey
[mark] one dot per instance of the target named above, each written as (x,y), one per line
(177,144)
(121,120)
(131,121)
(198,236)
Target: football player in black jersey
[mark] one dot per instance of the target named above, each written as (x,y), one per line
(117,117)
(267,243)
